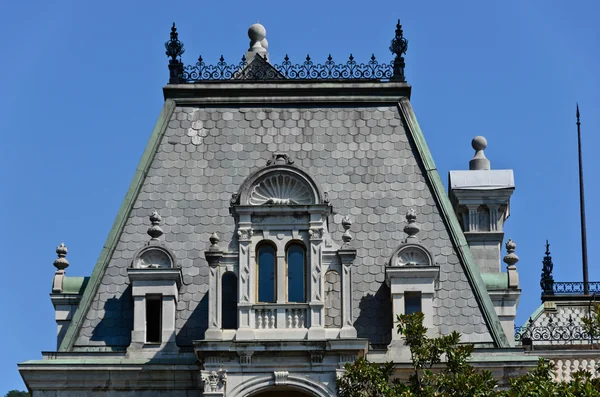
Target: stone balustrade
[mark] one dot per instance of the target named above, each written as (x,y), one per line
(277,316)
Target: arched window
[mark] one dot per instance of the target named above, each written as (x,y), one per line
(229,301)
(296,273)
(267,276)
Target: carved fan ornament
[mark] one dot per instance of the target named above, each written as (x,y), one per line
(412,257)
(154,259)
(281,189)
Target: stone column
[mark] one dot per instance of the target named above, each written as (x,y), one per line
(473,217)
(213,256)
(347,257)
(245,281)
(316,305)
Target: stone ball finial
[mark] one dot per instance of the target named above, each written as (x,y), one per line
(256,33)
(155,230)
(479,161)
(511,258)
(479,143)
(61,263)
(412,228)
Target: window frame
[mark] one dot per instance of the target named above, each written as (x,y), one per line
(151,300)
(300,244)
(259,246)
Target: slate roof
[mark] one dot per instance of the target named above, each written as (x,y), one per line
(365,155)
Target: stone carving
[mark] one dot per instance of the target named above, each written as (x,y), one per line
(412,256)
(511,258)
(412,227)
(316,234)
(214,381)
(281,377)
(346,237)
(155,230)
(61,263)
(154,259)
(245,234)
(280,159)
(281,189)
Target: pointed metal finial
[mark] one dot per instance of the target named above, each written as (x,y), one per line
(174,47)
(412,228)
(174,50)
(155,230)
(547,281)
(398,48)
(577,112)
(61,263)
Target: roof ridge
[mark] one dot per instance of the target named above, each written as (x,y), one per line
(456,234)
(117,228)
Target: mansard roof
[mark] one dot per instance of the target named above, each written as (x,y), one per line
(366,150)
(360,141)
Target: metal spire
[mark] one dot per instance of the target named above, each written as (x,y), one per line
(586,284)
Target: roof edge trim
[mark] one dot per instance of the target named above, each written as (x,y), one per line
(105,255)
(456,234)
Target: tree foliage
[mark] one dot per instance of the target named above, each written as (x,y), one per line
(16,393)
(441,368)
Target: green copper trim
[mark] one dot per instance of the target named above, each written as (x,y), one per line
(74,285)
(118,225)
(456,233)
(495,281)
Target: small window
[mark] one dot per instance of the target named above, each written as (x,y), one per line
(296,276)
(229,301)
(412,302)
(266,273)
(153,318)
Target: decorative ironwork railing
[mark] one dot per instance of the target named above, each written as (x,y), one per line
(307,70)
(570,331)
(575,287)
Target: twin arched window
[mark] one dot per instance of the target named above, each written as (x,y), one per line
(294,276)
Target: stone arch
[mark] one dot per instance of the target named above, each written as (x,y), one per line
(261,384)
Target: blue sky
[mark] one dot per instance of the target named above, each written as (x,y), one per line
(82,90)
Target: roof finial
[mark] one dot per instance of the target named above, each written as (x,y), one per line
(155,230)
(174,50)
(398,48)
(346,224)
(511,258)
(479,161)
(258,42)
(411,228)
(547,281)
(61,263)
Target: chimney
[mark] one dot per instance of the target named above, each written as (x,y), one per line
(481,201)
